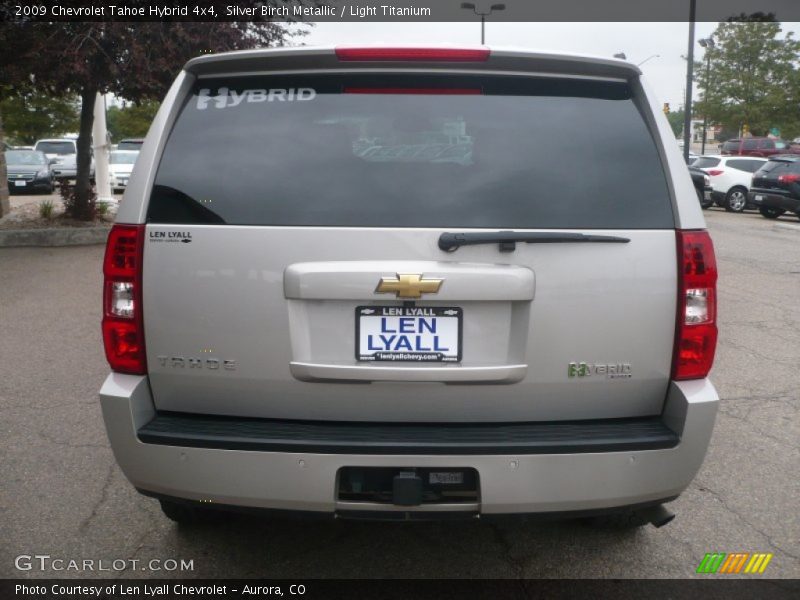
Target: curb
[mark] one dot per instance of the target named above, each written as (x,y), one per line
(785,227)
(76,236)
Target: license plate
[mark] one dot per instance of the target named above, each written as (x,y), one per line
(445,478)
(20,183)
(411,334)
(759,197)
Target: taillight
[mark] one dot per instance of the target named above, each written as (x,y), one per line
(696,331)
(123,324)
(714,172)
(413,54)
(789,178)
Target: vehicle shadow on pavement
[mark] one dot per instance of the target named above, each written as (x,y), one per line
(510,547)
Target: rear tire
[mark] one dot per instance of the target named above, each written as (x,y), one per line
(736,199)
(771,213)
(620,520)
(183,514)
(704,204)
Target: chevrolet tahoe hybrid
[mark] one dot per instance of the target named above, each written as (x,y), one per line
(365,282)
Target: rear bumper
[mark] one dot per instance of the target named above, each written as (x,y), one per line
(516,480)
(119,183)
(320,437)
(770,199)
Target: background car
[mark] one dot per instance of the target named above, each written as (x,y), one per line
(130,144)
(702,185)
(776,187)
(29,170)
(757,146)
(65,153)
(120,165)
(730,179)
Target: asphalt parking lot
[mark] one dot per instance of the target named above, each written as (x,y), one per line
(62,493)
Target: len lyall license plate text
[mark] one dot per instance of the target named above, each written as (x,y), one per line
(415,333)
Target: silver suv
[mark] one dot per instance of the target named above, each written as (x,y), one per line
(410,283)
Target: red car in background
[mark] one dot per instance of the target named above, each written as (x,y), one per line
(758,146)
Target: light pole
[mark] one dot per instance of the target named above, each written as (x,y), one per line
(648,58)
(687,107)
(483,15)
(708,44)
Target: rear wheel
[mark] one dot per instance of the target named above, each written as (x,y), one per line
(704,204)
(184,514)
(736,199)
(771,213)
(620,520)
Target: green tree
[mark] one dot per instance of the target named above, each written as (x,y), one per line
(753,78)
(132,120)
(676,121)
(134,60)
(29,115)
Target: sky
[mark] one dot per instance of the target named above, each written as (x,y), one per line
(665,72)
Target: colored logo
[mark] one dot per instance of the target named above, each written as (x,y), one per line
(609,370)
(736,562)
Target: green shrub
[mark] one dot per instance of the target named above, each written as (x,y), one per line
(46,209)
(72,210)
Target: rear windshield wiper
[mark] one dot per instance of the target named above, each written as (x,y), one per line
(508,239)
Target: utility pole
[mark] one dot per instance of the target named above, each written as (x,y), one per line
(687,109)
(708,44)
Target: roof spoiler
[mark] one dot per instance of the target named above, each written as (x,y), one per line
(493,59)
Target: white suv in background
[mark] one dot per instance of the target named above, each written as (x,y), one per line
(730,178)
(65,153)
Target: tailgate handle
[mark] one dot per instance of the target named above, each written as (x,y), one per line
(450,242)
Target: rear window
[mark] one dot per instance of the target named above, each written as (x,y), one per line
(731,146)
(749,166)
(61,148)
(705,162)
(396,151)
(123,158)
(130,145)
(780,167)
